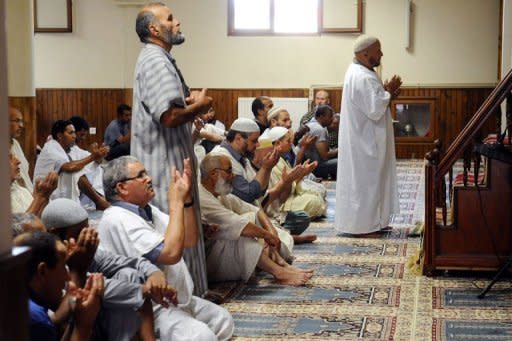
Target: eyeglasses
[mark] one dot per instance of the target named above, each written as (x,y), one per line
(228,171)
(142,174)
(18,120)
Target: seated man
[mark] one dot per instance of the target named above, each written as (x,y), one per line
(55,156)
(299,198)
(250,184)
(92,170)
(15,130)
(134,228)
(47,278)
(24,201)
(321,98)
(260,107)
(234,251)
(118,134)
(327,158)
(333,130)
(131,283)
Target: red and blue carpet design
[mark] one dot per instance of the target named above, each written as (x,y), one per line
(362,288)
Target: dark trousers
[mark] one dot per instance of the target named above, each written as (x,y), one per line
(327,168)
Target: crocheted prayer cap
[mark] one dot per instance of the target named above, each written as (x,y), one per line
(63,212)
(363,42)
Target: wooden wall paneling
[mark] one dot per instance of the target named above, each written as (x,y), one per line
(27,106)
(98,106)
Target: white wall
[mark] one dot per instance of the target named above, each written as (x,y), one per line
(453,42)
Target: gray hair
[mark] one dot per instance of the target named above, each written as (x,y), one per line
(144,19)
(20,220)
(209,163)
(114,172)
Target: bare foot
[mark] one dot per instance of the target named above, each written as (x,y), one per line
(293,268)
(304,238)
(288,277)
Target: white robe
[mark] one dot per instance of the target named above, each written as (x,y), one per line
(52,157)
(24,166)
(94,174)
(229,256)
(366,190)
(126,233)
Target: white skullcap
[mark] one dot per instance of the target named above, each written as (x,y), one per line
(264,140)
(276,133)
(274,112)
(245,125)
(363,42)
(63,212)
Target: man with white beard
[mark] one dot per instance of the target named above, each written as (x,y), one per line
(240,245)
(366,191)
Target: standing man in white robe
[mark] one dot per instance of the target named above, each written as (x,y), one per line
(366,190)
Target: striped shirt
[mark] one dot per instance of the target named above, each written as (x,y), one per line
(157,87)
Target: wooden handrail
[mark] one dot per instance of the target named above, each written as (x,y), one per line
(465,137)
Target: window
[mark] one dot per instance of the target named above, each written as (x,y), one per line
(288,17)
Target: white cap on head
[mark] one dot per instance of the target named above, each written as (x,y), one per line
(274,112)
(276,133)
(62,213)
(363,42)
(245,125)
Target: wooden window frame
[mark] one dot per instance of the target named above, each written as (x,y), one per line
(69,20)
(270,32)
(432,102)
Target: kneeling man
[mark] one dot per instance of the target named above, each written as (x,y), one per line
(239,246)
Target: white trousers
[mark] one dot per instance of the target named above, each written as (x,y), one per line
(200,320)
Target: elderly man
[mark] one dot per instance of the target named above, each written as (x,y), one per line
(24,201)
(366,192)
(56,156)
(132,227)
(236,249)
(163,109)
(131,282)
(320,151)
(47,278)
(321,98)
(260,107)
(16,129)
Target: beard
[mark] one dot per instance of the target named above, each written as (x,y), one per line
(173,38)
(222,187)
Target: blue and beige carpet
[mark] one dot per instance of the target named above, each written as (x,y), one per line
(362,288)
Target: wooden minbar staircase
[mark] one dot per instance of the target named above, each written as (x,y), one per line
(468,218)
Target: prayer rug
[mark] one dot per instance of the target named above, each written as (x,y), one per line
(362,288)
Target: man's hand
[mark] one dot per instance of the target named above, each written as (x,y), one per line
(46,186)
(293,175)
(272,240)
(210,229)
(181,184)
(270,160)
(159,291)
(300,133)
(87,301)
(307,141)
(393,86)
(200,100)
(309,167)
(99,152)
(81,252)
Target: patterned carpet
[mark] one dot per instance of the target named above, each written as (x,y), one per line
(362,288)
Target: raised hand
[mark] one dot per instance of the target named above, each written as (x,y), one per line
(270,160)
(159,291)
(82,251)
(87,301)
(200,100)
(45,187)
(99,152)
(293,174)
(393,86)
(181,184)
(307,141)
(309,166)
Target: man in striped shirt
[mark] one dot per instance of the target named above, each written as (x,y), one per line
(163,109)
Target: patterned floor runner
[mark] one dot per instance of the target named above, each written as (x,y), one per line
(362,288)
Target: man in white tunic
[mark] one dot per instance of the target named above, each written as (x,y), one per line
(366,190)
(134,228)
(16,125)
(234,251)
